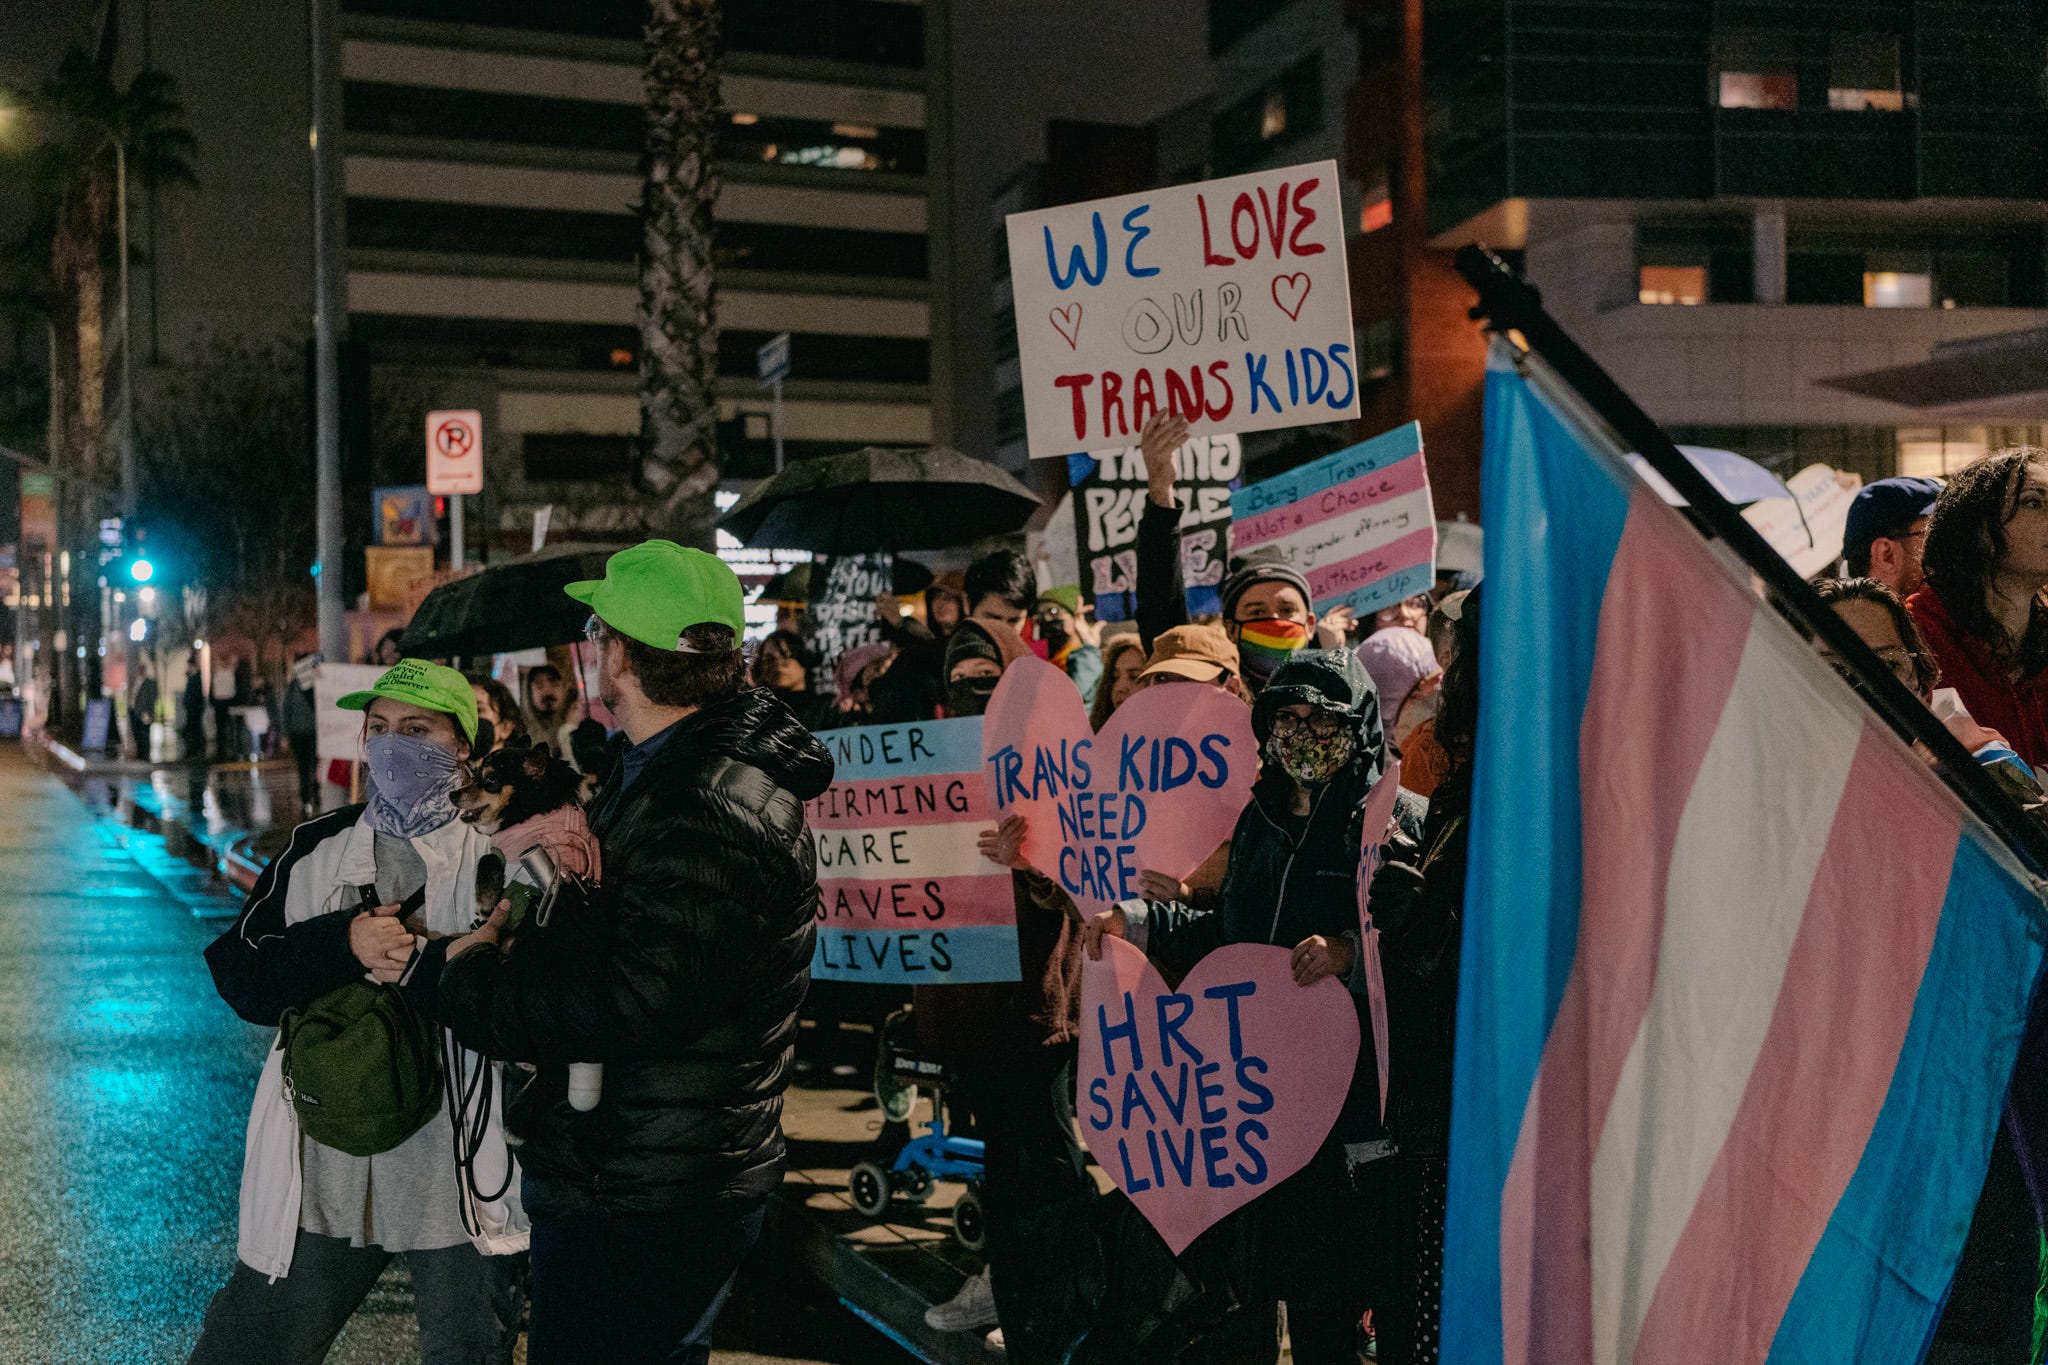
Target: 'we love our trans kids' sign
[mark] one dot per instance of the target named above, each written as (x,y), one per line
(1226,301)
(904,893)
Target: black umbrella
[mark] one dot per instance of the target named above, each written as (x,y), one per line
(518,604)
(907,576)
(881,499)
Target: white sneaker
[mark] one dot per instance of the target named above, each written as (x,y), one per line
(974,1307)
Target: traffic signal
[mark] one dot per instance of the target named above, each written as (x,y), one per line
(140,570)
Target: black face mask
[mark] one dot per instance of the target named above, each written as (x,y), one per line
(969,696)
(1051,630)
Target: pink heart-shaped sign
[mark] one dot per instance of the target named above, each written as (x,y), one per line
(1067,322)
(1159,789)
(1199,1100)
(1290,292)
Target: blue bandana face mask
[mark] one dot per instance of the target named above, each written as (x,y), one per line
(412,785)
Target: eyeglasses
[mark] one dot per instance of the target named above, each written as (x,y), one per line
(1900,662)
(594,630)
(1321,724)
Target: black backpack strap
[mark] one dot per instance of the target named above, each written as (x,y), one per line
(369,899)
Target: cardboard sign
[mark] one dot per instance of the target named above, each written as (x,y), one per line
(1109,500)
(1358,524)
(340,732)
(841,612)
(1160,788)
(403,516)
(904,893)
(1377,819)
(1226,301)
(1199,1100)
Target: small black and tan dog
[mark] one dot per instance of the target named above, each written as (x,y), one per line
(508,787)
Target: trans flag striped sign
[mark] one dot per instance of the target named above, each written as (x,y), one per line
(904,894)
(1743,983)
(1358,524)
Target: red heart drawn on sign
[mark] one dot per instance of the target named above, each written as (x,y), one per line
(1159,788)
(1067,322)
(1293,287)
(1199,1100)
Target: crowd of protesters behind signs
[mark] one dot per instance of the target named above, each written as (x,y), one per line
(696,804)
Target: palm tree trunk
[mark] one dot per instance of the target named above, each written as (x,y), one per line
(678,312)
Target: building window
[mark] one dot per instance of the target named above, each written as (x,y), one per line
(1376,341)
(1376,204)
(1894,279)
(1755,69)
(1285,110)
(747,136)
(1760,90)
(1676,284)
(1935,452)
(555,456)
(1863,73)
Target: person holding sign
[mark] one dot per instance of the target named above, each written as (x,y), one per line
(1014,1043)
(1321,1241)
(1266,603)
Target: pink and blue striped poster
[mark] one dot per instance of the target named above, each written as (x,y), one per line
(905,897)
(1742,982)
(1359,524)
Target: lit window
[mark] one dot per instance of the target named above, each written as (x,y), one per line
(745,120)
(1897,289)
(1932,452)
(854,130)
(1760,90)
(1679,284)
(1863,73)
(1376,207)
(1273,122)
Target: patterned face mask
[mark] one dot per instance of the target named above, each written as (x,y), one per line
(412,785)
(1309,754)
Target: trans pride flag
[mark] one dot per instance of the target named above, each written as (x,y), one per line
(1742,981)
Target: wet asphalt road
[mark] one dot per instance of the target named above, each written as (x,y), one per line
(125,1086)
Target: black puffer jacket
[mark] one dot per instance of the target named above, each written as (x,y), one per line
(683,977)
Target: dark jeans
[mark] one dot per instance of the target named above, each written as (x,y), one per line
(1043,1263)
(635,1289)
(305,754)
(228,736)
(468,1305)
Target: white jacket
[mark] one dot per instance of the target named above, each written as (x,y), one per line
(326,879)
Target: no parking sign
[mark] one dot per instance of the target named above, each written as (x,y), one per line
(455,452)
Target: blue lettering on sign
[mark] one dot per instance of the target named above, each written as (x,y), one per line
(1138,234)
(1180,1101)
(1077,260)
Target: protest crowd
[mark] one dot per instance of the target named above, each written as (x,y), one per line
(541,995)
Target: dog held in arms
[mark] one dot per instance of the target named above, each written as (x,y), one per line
(530,804)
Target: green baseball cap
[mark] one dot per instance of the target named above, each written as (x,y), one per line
(431,687)
(658,589)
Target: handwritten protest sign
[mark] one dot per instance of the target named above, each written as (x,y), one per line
(340,733)
(1109,501)
(1199,1100)
(841,612)
(1226,301)
(1358,524)
(1378,818)
(1158,789)
(904,894)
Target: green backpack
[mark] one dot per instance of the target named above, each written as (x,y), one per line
(362,1066)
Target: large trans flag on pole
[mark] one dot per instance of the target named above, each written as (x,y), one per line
(1742,981)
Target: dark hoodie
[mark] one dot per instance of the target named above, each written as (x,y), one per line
(683,977)
(1318,1241)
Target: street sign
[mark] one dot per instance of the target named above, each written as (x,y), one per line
(455,452)
(771,362)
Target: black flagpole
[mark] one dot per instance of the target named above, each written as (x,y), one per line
(1508,302)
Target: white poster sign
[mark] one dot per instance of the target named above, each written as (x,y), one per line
(341,732)
(1226,301)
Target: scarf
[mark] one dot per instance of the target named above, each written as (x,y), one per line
(412,785)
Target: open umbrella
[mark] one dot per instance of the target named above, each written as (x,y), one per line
(881,499)
(518,604)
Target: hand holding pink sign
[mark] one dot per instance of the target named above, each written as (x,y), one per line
(1160,788)
(1197,1101)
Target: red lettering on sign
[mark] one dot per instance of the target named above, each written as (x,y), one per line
(1276,218)
(1305,215)
(1209,256)
(1077,382)
(1241,209)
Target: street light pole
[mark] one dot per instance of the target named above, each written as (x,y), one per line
(127,346)
(327,306)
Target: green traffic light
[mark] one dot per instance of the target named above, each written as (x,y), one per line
(142,571)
